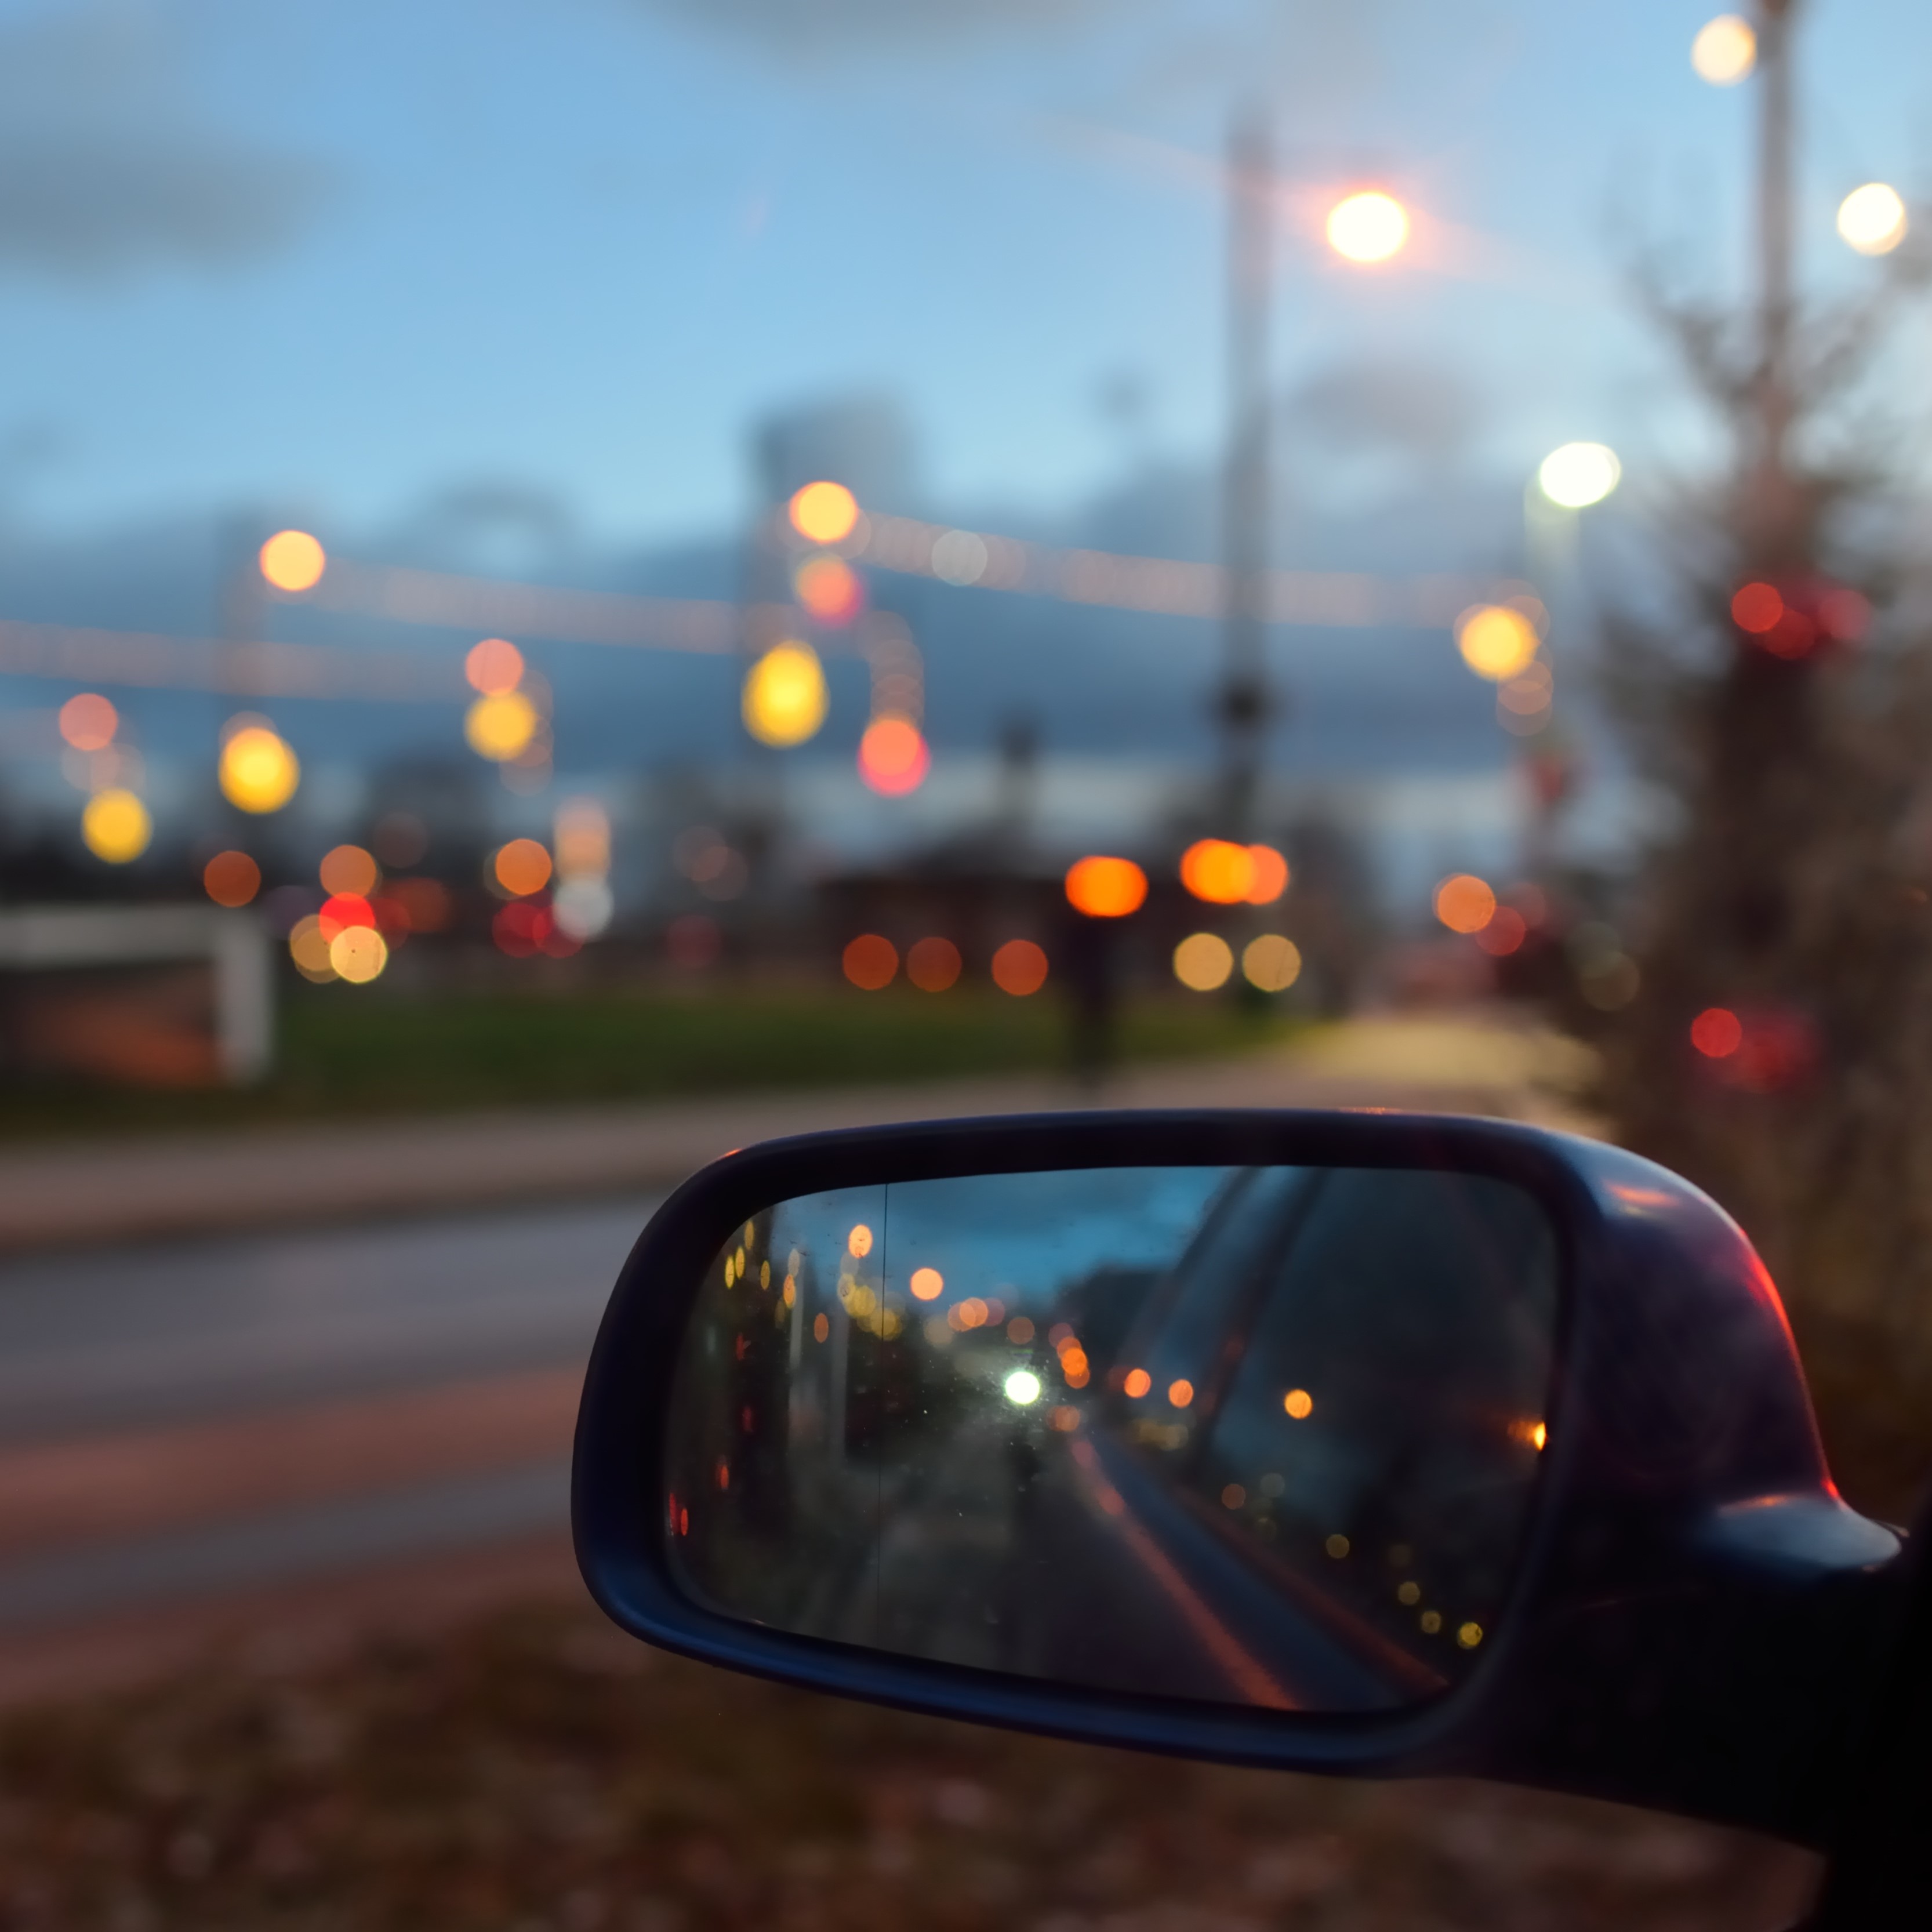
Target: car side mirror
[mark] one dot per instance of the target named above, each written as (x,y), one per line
(1349,1442)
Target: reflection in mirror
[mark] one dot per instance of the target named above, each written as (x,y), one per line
(1259,1436)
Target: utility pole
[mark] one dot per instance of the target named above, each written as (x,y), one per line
(1243,705)
(1775,514)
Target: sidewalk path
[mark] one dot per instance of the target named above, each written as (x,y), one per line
(108,1190)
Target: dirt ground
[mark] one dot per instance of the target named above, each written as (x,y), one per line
(533,1770)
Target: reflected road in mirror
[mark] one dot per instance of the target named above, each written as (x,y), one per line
(1263,1436)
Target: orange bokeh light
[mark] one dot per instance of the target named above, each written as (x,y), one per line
(1019,967)
(870,961)
(927,1284)
(1106,888)
(522,867)
(859,1242)
(1270,875)
(1217,870)
(1465,903)
(495,667)
(830,589)
(933,964)
(231,878)
(1298,1403)
(893,758)
(825,513)
(348,868)
(1717,1033)
(1180,1392)
(1756,608)
(1137,1383)
(1223,873)
(293,560)
(88,722)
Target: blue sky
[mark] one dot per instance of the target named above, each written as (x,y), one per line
(339,258)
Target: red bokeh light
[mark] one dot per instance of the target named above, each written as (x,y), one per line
(1505,933)
(1756,608)
(893,758)
(1717,1033)
(341,910)
(526,926)
(871,962)
(1020,967)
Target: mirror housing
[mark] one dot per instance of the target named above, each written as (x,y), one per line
(1695,1612)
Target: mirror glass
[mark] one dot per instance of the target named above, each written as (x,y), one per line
(1255,1436)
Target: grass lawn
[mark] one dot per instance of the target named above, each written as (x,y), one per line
(344,1051)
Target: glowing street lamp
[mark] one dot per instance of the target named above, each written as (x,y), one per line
(1578,475)
(1872,219)
(1367,227)
(1725,50)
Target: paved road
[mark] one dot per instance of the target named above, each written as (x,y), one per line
(184,1427)
(369,1408)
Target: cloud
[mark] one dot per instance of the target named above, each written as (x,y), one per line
(883,25)
(1415,410)
(107,168)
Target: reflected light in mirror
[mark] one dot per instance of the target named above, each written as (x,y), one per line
(857,1467)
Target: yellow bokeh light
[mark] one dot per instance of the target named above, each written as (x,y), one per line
(1725,50)
(825,513)
(358,954)
(1496,641)
(258,771)
(859,1242)
(783,699)
(293,560)
(309,948)
(1203,961)
(495,667)
(1873,219)
(500,726)
(1271,962)
(348,868)
(522,867)
(1369,226)
(1578,474)
(116,826)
